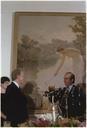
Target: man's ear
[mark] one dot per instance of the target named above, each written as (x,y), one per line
(17,76)
(72,80)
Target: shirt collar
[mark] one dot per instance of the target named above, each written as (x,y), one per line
(70,87)
(16,83)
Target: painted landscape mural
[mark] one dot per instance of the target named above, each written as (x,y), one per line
(49,46)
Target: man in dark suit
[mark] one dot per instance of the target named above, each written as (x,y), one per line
(16,101)
(72,100)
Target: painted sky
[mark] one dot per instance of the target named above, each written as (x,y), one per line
(46,28)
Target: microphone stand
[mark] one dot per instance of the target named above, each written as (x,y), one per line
(53,110)
(67,106)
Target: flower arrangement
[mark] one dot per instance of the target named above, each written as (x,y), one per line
(67,122)
(59,123)
(40,123)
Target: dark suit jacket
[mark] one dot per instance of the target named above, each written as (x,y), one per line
(16,104)
(76,101)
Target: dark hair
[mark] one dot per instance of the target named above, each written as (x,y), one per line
(15,73)
(72,76)
(4,79)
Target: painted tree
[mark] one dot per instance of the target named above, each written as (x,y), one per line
(79,28)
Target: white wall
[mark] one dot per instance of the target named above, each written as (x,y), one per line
(9,7)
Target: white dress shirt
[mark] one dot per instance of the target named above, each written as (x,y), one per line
(70,87)
(16,83)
